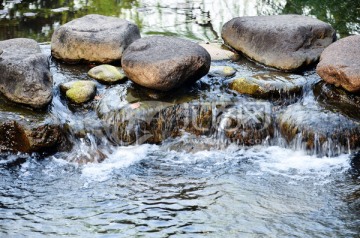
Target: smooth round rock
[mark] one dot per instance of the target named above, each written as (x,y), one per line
(164,63)
(93,38)
(106,74)
(286,42)
(340,64)
(25,73)
(221,71)
(79,91)
(264,85)
(318,130)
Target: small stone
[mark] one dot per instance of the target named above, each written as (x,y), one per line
(79,91)
(217,52)
(221,71)
(106,74)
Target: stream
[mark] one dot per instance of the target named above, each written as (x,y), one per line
(192,184)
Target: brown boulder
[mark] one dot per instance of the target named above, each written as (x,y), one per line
(340,64)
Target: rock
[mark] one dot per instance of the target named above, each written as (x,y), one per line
(221,71)
(164,63)
(340,64)
(318,130)
(25,74)
(106,74)
(93,38)
(265,85)
(338,99)
(286,42)
(31,134)
(219,52)
(79,91)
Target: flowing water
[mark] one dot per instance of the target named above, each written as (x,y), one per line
(187,186)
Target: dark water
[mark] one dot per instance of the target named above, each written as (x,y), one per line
(212,189)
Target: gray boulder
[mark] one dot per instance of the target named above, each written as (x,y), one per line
(164,63)
(286,42)
(25,74)
(93,38)
(340,64)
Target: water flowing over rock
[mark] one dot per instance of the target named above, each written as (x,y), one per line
(25,74)
(340,64)
(164,63)
(318,130)
(93,38)
(286,42)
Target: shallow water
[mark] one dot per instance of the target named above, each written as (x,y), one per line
(187,186)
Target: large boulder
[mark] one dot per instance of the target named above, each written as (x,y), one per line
(93,38)
(340,64)
(164,63)
(25,74)
(286,42)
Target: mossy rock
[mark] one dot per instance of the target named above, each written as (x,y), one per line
(318,130)
(107,74)
(221,71)
(80,91)
(265,85)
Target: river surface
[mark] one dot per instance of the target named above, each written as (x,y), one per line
(186,186)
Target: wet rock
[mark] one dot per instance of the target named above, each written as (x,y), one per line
(165,63)
(93,38)
(337,99)
(219,52)
(25,75)
(286,42)
(265,85)
(221,71)
(80,91)
(340,64)
(320,131)
(106,74)
(34,136)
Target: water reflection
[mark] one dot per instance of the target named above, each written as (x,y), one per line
(193,19)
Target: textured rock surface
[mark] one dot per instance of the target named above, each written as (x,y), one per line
(79,91)
(25,75)
(93,38)
(217,52)
(165,63)
(106,74)
(318,130)
(286,42)
(340,63)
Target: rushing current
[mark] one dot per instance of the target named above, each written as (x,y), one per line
(188,186)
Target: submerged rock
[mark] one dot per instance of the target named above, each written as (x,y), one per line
(106,74)
(340,64)
(318,130)
(164,63)
(221,71)
(25,74)
(93,38)
(286,42)
(338,99)
(217,52)
(265,86)
(80,91)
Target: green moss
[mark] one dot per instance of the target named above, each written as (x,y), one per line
(106,74)
(244,86)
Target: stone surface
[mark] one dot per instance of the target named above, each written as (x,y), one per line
(106,74)
(93,38)
(25,74)
(164,63)
(266,86)
(221,71)
(286,42)
(80,91)
(340,64)
(219,52)
(318,130)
